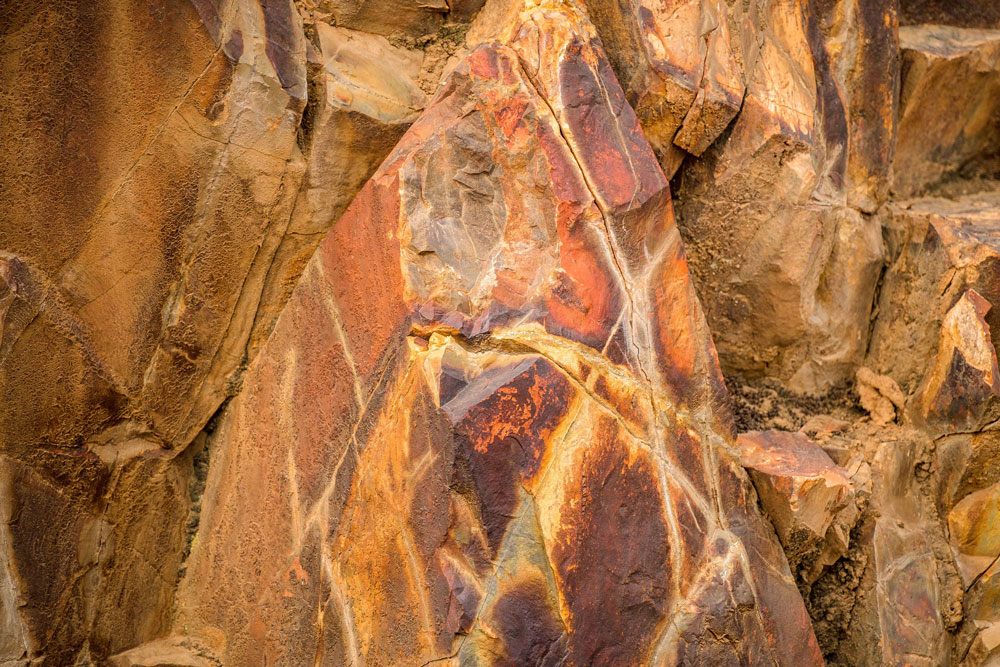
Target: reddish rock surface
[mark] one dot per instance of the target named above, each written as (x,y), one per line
(525,388)
(362,333)
(803,492)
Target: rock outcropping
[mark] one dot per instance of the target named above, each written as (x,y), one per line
(363,333)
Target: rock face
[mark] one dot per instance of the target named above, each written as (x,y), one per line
(803,493)
(778,214)
(159,210)
(363,333)
(535,414)
(935,330)
(945,129)
(678,68)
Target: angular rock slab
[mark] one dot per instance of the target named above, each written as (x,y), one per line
(146,248)
(974,526)
(800,488)
(485,427)
(944,275)
(910,596)
(950,104)
(677,65)
(365,96)
(778,214)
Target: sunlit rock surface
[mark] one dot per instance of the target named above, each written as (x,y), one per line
(486,426)
(151,165)
(339,332)
(803,492)
(949,107)
(779,213)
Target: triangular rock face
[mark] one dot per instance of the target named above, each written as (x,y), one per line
(486,427)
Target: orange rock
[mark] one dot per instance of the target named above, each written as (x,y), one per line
(487,425)
(152,161)
(945,254)
(801,490)
(779,213)
(949,104)
(678,69)
(975,532)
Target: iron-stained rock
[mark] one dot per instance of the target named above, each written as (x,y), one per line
(802,492)
(778,215)
(152,162)
(487,425)
(945,259)
(677,66)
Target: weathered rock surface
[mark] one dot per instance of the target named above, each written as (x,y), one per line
(962,13)
(153,227)
(678,68)
(803,492)
(778,215)
(166,652)
(362,332)
(949,122)
(522,383)
(935,327)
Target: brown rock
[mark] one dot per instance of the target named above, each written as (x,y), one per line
(486,426)
(365,95)
(820,426)
(268,402)
(963,13)
(778,215)
(964,379)
(965,463)
(153,157)
(167,652)
(975,532)
(411,18)
(949,118)
(678,69)
(910,589)
(945,259)
(979,637)
(801,490)
(83,561)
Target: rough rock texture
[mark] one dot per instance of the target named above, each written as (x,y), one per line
(158,210)
(778,215)
(363,333)
(536,410)
(803,492)
(962,13)
(934,332)
(947,130)
(677,65)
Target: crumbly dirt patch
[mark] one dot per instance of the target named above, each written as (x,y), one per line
(766,404)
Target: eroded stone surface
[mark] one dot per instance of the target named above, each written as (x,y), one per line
(802,491)
(678,68)
(949,109)
(153,158)
(498,347)
(944,276)
(779,213)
